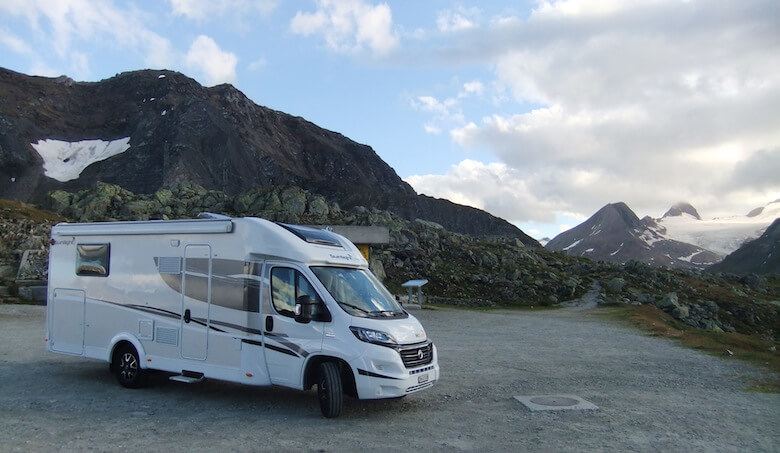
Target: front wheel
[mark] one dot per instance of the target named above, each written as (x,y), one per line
(127,367)
(330,390)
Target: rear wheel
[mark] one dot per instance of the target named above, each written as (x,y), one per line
(127,367)
(330,390)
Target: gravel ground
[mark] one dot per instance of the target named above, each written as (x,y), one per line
(653,396)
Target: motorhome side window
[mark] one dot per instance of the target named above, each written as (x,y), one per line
(92,260)
(287,285)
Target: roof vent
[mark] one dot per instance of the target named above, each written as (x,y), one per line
(313,235)
(212,216)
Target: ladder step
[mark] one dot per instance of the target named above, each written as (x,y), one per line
(187,379)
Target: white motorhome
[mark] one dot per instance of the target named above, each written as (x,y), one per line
(236,299)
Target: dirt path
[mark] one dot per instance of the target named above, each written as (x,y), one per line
(653,395)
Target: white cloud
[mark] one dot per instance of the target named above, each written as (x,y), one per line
(349,26)
(14,43)
(40,68)
(431,129)
(475,88)
(457,20)
(646,102)
(216,65)
(496,188)
(79,65)
(65,25)
(258,64)
(448,113)
(239,11)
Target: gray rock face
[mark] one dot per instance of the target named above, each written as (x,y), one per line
(214,137)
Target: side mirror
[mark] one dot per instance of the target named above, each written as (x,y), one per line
(304,307)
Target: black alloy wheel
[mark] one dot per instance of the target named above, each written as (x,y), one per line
(127,367)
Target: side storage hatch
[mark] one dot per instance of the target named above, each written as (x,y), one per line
(67,321)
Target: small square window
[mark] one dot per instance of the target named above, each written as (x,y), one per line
(92,260)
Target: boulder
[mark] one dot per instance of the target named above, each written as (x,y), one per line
(615,285)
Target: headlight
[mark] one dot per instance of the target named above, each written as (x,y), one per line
(373,336)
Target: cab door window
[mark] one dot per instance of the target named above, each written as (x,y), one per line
(287,285)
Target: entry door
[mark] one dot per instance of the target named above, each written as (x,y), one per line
(67,321)
(196,302)
(287,342)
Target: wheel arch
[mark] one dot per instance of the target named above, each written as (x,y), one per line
(312,370)
(122,339)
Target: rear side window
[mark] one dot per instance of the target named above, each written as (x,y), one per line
(93,260)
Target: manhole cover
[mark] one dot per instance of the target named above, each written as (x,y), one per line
(557,401)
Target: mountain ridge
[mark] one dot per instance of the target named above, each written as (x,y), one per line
(680,238)
(180,131)
(616,234)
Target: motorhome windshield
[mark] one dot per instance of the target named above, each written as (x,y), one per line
(359,292)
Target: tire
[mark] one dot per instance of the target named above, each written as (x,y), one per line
(127,367)
(330,390)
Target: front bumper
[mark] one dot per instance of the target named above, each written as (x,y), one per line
(380,373)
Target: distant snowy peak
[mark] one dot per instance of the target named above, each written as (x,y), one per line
(616,234)
(721,235)
(768,212)
(64,161)
(682,208)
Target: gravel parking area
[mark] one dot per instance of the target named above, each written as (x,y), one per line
(653,396)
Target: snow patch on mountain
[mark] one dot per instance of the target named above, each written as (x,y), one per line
(64,161)
(720,235)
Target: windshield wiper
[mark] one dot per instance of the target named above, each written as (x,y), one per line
(355,307)
(386,313)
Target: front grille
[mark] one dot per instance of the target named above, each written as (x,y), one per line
(417,356)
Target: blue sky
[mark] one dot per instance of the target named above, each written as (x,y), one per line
(539,112)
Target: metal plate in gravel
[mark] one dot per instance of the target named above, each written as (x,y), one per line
(536,403)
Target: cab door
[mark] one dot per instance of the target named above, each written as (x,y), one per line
(288,343)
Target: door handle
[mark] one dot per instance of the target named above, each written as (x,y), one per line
(187,316)
(269,323)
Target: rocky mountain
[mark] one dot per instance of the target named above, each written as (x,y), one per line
(719,235)
(152,129)
(759,256)
(616,234)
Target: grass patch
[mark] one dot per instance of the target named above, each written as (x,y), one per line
(749,348)
(17,210)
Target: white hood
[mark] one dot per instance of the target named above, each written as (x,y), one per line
(404,331)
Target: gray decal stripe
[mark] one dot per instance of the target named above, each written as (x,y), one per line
(277,335)
(202,322)
(153,310)
(282,350)
(237,327)
(293,346)
(252,342)
(375,375)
